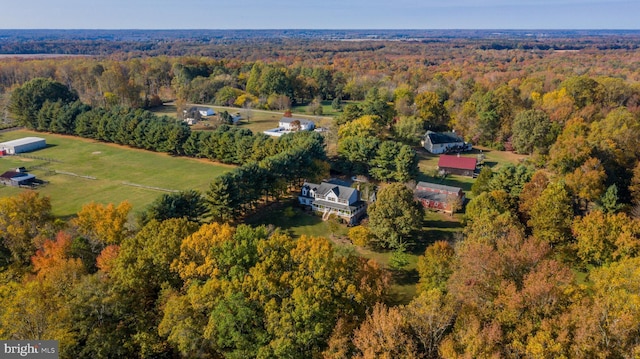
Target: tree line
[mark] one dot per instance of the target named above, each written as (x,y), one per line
(45,105)
(238,192)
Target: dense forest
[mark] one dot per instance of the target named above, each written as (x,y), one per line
(547,265)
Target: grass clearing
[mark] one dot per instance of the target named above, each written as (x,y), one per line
(296,222)
(428,166)
(113,166)
(403,281)
(327,109)
(253,119)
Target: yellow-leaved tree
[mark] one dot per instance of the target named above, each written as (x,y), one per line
(103,225)
(25,222)
(196,260)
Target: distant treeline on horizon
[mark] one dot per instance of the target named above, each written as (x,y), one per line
(154,42)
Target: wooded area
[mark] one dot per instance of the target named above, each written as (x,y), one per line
(547,264)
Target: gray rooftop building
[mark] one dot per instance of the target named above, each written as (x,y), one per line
(26,144)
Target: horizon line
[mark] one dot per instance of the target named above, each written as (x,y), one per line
(320,29)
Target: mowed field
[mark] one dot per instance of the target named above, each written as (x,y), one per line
(120,173)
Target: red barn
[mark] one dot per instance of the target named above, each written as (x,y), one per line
(437,196)
(463,166)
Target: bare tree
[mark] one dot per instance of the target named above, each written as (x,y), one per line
(248,110)
(635,211)
(453,203)
(315,107)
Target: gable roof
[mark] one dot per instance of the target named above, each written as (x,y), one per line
(22,141)
(443,137)
(438,187)
(431,196)
(324,188)
(11,174)
(464,163)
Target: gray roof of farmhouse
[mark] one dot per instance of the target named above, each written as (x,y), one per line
(323,189)
(345,207)
(443,137)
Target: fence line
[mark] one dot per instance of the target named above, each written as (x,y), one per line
(40,167)
(73,174)
(38,158)
(150,187)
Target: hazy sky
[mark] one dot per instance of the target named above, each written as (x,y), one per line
(319,14)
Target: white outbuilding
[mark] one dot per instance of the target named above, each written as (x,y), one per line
(296,124)
(26,144)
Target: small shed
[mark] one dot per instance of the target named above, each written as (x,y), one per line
(26,144)
(463,166)
(16,179)
(206,111)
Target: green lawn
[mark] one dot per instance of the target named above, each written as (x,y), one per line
(495,159)
(437,227)
(114,167)
(296,222)
(327,110)
(428,165)
(255,120)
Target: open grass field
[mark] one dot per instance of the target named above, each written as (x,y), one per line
(495,159)
(117,169)
(327,110)
(255,120)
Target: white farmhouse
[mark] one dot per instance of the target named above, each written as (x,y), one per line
(443,142)
(330,198)
(291,124)
(296,124)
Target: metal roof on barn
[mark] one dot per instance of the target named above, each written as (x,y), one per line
(464,163)
(22,141)
(431,196)
(437,187)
